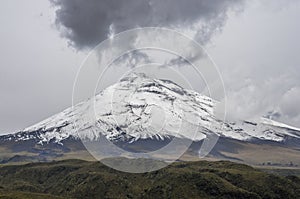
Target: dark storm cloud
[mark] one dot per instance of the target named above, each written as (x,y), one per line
(87,22)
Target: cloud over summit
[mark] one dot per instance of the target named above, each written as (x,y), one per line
(85,23)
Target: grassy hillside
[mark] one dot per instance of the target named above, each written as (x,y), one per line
(203,179)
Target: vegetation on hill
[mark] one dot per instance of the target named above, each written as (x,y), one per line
(202,179)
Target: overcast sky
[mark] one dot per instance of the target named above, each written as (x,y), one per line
(255,45)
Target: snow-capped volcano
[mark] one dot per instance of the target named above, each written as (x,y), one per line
(140,107)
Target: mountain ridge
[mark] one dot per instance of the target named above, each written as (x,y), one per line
(136,101)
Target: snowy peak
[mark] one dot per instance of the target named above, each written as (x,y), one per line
(140,107)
